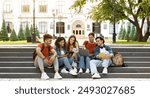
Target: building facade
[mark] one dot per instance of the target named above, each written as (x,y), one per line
(53,17)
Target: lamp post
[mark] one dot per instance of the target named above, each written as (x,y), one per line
(53,11)
(33,33)
(114,23)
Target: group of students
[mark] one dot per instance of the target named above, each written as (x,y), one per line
(64,56)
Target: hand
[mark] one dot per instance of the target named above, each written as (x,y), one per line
(104,56)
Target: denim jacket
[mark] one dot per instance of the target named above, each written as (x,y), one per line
(97,50)
(58,51)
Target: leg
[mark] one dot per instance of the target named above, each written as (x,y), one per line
(94,64)
(56,68)
(81,62)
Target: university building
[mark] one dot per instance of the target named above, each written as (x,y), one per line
(53,17)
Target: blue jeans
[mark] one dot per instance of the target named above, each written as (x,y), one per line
(84,62)
(66,61)
(99,63)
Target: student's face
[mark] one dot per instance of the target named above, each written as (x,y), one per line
(72,40)
(91,38)
(99,42)
(48,41)
(62,43)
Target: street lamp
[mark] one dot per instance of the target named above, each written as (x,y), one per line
(33,34)
(53,12)
(114,23)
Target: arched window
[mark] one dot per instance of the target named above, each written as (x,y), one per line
(60,27)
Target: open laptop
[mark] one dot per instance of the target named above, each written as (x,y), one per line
(83,52)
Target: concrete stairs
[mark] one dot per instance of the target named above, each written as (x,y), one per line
(17,63)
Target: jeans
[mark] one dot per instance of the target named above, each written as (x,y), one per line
(99,63)
(41,64)
(84,62)
(66,61)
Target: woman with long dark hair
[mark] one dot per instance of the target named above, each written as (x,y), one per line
(63,56)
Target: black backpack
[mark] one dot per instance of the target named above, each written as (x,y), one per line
(35,54)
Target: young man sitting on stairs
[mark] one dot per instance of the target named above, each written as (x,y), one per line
(43,59)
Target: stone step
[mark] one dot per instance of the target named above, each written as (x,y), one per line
(30,63)
(29,58)
(85,75)
(118,49)
(110,70)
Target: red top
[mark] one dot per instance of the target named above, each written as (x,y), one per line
(89,46)
(45,50)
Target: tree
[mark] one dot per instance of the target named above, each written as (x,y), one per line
(0,36)
(120,33)
(27,31)
(132,33)
(4,31)
(127,37)
(135,11)
(37,33)
(124,33)
(13,36)
(21,35)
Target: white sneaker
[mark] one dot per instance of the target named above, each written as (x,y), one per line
(80,71)
(44,76)
(105,71)
(64,70)
(72,72)
(57,76)
(96,76)
(75,69)
(87,71)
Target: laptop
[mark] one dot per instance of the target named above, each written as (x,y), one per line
(83,52)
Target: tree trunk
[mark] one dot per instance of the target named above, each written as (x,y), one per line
(147,34)
(139,34)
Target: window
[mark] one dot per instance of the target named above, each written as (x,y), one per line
(42,8)
(105,26)
(78,26)
(25,9)
(68,27)
(60,27)
(96,27)
(8,6)
(43,27)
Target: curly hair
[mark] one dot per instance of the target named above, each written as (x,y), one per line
(59,39)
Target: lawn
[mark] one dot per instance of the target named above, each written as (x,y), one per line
(131,42)
(15,42)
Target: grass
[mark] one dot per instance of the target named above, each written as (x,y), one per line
(15,42)
(130,42)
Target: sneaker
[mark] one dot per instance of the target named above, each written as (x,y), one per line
(96,76)
(75,69)
(64,70)
(44,76)
(72,72)
(57,76)
(105,71)
(87,71)
(80,71)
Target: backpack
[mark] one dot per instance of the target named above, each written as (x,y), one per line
(118,60)
(35,54)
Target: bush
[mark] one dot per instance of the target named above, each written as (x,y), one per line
(27,32)
(21,35)
(4,34)
(13,36)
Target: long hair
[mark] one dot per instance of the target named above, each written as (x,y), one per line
(59,39)
(68,43)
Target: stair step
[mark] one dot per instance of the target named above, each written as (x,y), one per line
(85,75)
(110,69)
(131,49)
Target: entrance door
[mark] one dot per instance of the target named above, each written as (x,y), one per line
(78,29)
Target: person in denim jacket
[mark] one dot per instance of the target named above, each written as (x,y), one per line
(63,56)
(103,55)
